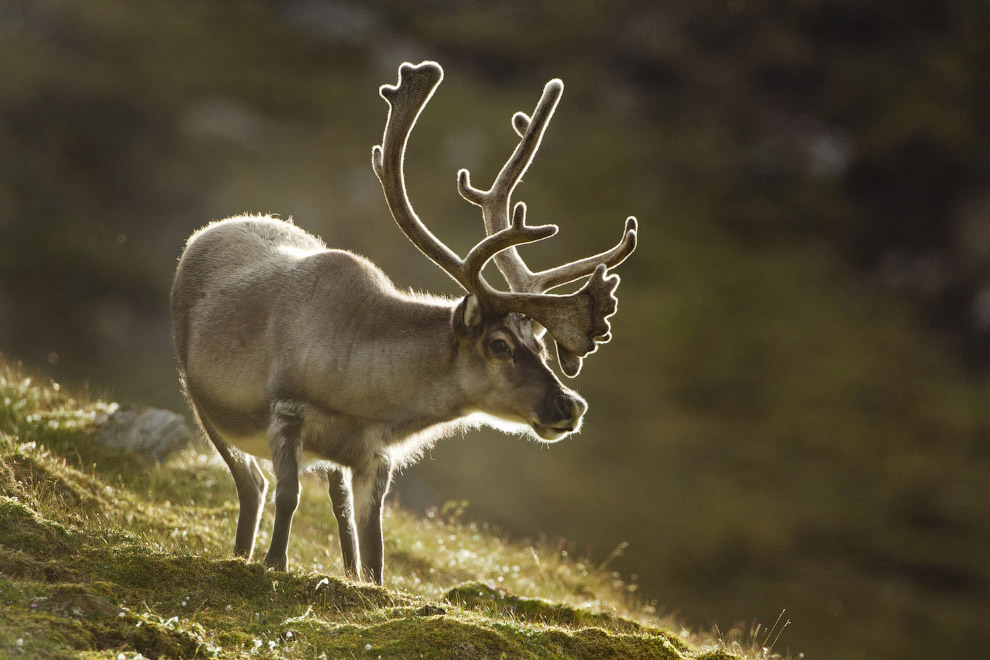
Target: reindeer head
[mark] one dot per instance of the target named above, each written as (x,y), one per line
(505,327)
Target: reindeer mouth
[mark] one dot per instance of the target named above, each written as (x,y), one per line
(559,416)
(552,433)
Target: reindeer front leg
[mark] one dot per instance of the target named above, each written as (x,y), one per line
(340,497)
(285,442)
(369,485)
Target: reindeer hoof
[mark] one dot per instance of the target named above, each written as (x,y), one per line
(276,563)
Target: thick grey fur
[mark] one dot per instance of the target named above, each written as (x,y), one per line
(296,352)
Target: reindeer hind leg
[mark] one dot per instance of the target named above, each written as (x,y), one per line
(285,439)
(251,488)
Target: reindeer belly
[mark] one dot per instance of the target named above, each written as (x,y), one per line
(233,402)
(255,444)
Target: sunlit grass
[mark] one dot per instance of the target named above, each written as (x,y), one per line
(103,553)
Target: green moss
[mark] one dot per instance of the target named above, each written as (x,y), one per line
(21,528)
(717,655)
(19,564)
(42,635)
(480,596)
(152,639)
(413,638)
(61,633)
(452,636)
(235,582)
(593,643)
(11,593)
(101,555)
(8,482)
(57,484)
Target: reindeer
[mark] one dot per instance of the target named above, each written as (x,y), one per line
(291,350)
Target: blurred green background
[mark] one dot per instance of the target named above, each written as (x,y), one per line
(794,410)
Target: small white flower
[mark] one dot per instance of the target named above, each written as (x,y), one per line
(122,614)
(19,642)
(367,647)
(230,607)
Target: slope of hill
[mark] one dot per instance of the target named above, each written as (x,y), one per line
(102,554)
(770,428)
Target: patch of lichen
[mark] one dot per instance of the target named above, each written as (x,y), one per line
(102,554)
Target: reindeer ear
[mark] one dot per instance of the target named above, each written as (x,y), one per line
(538,330)
(466,315)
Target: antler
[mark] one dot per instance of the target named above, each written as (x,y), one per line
(494,204)
(579,321)
(406,100)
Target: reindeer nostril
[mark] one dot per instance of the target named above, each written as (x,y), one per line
(569,407)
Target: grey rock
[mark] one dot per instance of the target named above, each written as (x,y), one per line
(152,432)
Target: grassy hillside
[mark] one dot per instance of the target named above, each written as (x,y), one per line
(770,428)
(102,555)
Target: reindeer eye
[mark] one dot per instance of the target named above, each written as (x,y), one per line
(500,348)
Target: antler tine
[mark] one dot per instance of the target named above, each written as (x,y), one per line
(494,202)
(554,277)
(578,322)
(515,234)
(405,102)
